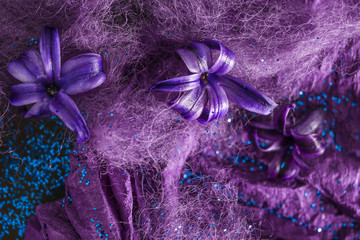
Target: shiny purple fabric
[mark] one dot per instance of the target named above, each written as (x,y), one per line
(95,206)
(315,206)
(106,205)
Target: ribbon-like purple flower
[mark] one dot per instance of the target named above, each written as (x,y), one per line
(295,143)
(48,85)
(208,87)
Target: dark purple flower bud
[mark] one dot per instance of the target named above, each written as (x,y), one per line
(281,135)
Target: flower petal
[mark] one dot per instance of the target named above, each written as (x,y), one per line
(274,166)
(197,57)
(246,96)
(82,73)
(23,94)
(261,125)
(290,171)
(308,145)
(275,138)
(271,135)
(191,104)
(28,68)
(310,123)
(39,110)
(282,166)
(280,118)
(178,84)
(300,161)
(65,108)
(262,122)
(226,59)
(217,99)
(50,53)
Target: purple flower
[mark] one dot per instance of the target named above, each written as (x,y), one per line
(295,143)
(208,87)
(48,85)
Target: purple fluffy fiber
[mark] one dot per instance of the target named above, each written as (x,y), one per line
(282,48)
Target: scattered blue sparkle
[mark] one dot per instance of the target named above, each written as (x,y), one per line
(282,165)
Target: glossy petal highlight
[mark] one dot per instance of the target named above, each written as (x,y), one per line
(23,94)
(50,53)
(191,104)
(39,110)
(217,101)
(299,160)
(220,100)
(310,123)
(280,118)
(308,145)
(246,96)
(82,73)
(28,68)
(290,171)
(197,57)
(65,108)
(178,84)
(274,166)
(226,59)
(276,141)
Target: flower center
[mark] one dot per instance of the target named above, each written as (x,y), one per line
(52,90)
(204,77)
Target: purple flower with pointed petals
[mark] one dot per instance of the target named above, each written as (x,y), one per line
(48,85)
(295,143)
(208,87)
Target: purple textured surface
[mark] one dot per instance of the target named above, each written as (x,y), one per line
(181,178)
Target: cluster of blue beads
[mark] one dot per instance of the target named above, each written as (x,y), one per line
(35,161)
